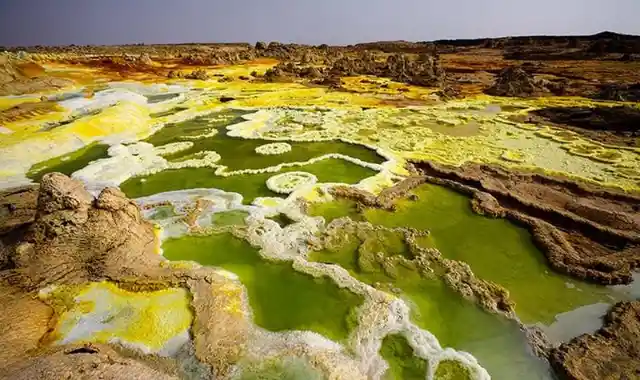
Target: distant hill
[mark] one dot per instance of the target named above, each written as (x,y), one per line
(525,39)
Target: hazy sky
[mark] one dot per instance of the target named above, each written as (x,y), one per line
(54,22)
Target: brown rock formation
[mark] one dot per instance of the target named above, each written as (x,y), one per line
(16,80)
(424,70)
(72,235)
(17,207)
(199,74)
(613,352)
(23,322)
(26,111)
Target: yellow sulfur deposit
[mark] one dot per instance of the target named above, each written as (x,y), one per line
(102,312)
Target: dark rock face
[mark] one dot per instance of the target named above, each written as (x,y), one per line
(622,119)
(613,352)
(17,208)
(615,46)
(620,92)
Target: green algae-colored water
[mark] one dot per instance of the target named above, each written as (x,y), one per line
(496,342)
(163,212)
(496,250)
(195,127)
(68,163)
(338,208)
(464,130)
(280,297)
(289,368)
(249,185)
(239,153)
(452,370)
(403,365)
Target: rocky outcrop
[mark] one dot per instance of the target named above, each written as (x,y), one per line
(199,74)
(17,208)
(217,57)
(286,72)
(620,92)
(15,81)
(8,70)
(613,352)
(516,82)
(17,212)
(76,239)
(612,125)
(423,70)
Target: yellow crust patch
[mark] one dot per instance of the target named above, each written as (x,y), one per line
(101,312)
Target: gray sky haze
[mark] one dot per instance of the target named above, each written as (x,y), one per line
(62,22)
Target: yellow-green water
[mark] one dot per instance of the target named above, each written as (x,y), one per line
(249,185)
(496,250)
(280,297)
